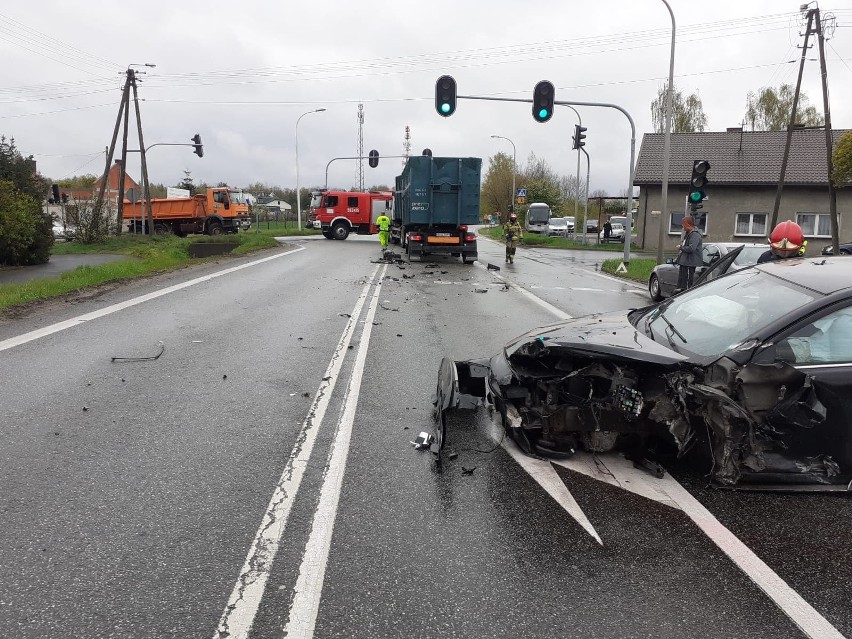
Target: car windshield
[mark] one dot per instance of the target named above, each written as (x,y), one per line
(723,313)
(316,200)
(558,221)
(749,255)
(237,197)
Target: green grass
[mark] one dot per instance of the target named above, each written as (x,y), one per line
(145,256)
(536,239)
(639,268)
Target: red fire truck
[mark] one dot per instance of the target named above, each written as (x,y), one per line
(339,213)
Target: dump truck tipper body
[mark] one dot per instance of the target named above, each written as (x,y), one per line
(435,201)
(220,210)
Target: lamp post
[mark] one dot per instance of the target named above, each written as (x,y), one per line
(514,163)
(298,188)
(667,140)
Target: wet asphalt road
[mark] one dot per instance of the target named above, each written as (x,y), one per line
(132,491)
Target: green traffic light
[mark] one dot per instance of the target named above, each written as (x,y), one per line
(696,196)
(445,107)
(542,113)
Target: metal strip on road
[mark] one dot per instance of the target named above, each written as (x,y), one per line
(239,614)
(308,589)
(109,310)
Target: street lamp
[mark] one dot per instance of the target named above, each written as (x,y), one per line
(298,189)
(514,163)
(667,140)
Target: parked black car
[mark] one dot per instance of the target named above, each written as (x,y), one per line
(663,279)
(750,373)
(845,249)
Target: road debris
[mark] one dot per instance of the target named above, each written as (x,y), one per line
(492,267)
(468,471)
(423,441)
(480,290)
(142,359)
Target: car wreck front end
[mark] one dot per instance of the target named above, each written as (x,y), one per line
(627,382)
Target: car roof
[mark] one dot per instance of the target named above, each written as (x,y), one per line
(733,245)
(822,274)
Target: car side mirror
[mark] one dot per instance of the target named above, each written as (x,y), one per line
(669,260)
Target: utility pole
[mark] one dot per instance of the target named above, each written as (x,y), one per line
(360,176)
(111,150)
(145,185)
(791,123)
(122,170)
(829,142)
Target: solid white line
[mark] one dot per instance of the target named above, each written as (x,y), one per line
(76,321)
(308,589)
(791,603)
(242,606)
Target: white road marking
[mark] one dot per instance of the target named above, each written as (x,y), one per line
(109,310)
(613,469)
(308,589)
(542,471)
(242,606)
(620,280)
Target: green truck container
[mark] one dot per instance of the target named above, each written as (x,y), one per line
(436,200)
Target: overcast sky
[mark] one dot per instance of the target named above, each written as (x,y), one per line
(240,74)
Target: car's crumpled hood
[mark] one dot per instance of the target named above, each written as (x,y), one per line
(607,334)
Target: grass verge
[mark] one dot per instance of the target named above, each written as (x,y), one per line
(145,256)
(536,239)
(639,269)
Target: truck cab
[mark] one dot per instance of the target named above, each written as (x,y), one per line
(339,213)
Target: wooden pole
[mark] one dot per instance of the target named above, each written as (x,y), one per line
(829,142)
(145,189)
(777,204)
(123,105)
(122,174)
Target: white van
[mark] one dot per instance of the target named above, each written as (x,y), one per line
(537,216)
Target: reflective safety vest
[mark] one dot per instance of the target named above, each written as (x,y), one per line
(383,222)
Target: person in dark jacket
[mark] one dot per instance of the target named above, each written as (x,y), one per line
(690,253)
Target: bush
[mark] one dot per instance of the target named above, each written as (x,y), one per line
(26,233)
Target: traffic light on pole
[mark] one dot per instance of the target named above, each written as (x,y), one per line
(578,136)
(542,108)
(445,95)
(199,148)
(374,159)
(697,183)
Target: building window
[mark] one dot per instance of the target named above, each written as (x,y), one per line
(676,218)
(814,224)
(751,224)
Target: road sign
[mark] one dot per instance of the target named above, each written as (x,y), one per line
(621,268)
(132,195)
(521,200)
(522,193)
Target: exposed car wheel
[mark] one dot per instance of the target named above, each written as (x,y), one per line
(340,231)
(654,288)
(214,229)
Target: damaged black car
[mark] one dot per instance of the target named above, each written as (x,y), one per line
(751,372)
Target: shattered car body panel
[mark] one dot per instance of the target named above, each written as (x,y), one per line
(602,382)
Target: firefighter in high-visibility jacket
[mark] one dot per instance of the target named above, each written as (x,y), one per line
(383,222)
(513,234)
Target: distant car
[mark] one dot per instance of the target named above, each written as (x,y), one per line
(560,226)
(616,234)
(591,226)
(845,249)
(663,279)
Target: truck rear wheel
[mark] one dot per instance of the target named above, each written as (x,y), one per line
(214,229)
(162,229)
(340,231)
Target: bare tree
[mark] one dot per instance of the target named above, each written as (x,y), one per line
(688,112)
(769,109)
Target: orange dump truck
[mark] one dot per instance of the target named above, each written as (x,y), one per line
(221,210)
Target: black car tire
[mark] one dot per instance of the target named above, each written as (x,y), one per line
(654,288)
(340,231)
